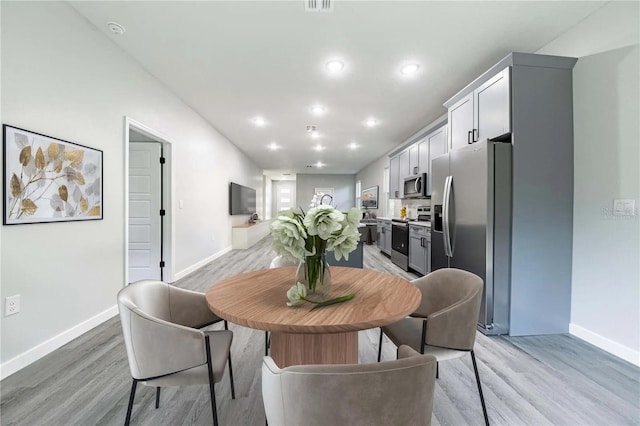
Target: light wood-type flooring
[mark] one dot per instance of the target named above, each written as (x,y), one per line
(536,380)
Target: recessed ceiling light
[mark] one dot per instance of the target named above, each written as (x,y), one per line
(334,66)
(319,164)
(116,28)
(352,145)
(315,135)
(259,121)
(371,122)
(409,69)
(318,147)
(273,146)
(317,109)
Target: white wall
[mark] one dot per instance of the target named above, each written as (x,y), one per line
(64,78)
(344,196)
(605,294)
(606,281)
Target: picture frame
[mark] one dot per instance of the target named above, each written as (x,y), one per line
(47,179)
(369,197)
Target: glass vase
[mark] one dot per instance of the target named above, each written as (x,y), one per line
(314,273)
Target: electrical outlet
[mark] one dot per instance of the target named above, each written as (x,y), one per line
(12,305)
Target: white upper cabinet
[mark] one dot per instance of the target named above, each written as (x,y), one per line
(437,144)
(461,122)
(423,156)
(414,161)
(394,176)
(484,113)
(492,116)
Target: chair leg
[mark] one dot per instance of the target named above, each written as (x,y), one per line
(380,346)
(233,390)
(484,408)
(437,370)
(214,411)
(226,325)
(266,343)
(157,397)
(131,397)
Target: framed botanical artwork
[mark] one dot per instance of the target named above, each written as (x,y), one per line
(49,180)
(370,198)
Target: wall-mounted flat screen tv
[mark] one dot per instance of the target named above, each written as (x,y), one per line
(242,200)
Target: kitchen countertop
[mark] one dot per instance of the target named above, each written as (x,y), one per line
(387,219)
(420,223)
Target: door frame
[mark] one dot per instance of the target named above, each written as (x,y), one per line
(168,239)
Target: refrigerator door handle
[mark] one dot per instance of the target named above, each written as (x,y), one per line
(445,216)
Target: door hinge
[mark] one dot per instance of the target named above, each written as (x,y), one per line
(162,212)
(162,160)
(162,263)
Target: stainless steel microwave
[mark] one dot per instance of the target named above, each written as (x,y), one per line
(415,186)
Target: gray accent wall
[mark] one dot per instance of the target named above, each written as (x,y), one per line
(373,175)
(344,189)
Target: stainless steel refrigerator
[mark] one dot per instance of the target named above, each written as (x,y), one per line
(471,230)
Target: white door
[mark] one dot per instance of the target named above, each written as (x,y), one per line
(284,196)
(144,211)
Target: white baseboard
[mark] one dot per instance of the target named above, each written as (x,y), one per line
(200,264)
(32,355)
(614,348)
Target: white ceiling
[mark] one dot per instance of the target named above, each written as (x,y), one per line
(232,61)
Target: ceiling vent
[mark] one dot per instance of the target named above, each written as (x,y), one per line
(318,5)
(312,128)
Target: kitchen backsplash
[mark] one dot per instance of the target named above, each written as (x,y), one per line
(411,205)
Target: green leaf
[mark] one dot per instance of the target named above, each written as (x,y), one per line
(334,301)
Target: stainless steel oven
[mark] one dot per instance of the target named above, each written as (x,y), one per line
(400,244)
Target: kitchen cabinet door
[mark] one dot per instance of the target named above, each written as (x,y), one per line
(394,177)
(437,146)
(403,166)
(460,122)
(387,238)
(423,156)
(492,106)
(413,160)
(415,253)
(380,235)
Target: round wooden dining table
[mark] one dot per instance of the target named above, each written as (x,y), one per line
(327,335)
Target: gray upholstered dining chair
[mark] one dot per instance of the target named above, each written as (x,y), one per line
(164,345)
(387,393)
(277,262)
(444,324)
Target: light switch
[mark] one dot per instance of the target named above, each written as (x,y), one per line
(624,207)
(180,204)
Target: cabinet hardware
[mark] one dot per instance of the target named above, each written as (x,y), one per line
(475,137)
(415,170)
(469,137)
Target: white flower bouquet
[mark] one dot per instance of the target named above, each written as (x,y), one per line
(306,237)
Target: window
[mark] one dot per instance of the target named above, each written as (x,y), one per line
(358,194)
